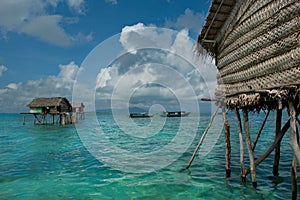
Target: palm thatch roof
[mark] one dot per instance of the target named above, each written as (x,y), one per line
(217,16)
(48,102)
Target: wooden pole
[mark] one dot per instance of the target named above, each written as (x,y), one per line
(202,138)
(272,147)
(260,130)
(294,178)
(293,130)
(275,143)
(243,176)
(250,151)
(294,142)
(24,119)
(227,141)
(277,149)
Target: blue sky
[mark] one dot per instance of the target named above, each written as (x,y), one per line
(44,42)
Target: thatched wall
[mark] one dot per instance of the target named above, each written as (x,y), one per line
(256,44)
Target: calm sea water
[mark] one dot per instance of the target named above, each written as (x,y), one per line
(51,162)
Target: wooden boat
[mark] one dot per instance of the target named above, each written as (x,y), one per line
(175,114)
(140,115)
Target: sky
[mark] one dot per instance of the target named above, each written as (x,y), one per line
(117,53)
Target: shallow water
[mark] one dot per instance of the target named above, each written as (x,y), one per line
(52,162)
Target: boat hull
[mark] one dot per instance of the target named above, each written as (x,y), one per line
(175,114)
(139,115)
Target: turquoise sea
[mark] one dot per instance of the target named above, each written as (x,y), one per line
(52,162)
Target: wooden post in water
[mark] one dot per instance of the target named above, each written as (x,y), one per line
(293,130)
(277,149)
(250,151)
(294,178)
(243,176)
(272,147)
(227,141)
(294,142)
(24,119)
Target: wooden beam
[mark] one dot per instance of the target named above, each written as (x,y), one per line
(272,147)
(260,130)
(208,99)
(202,138)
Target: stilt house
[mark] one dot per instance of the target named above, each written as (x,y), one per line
(57,107)
(256,46)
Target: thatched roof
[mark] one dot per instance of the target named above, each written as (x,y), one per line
(218,14)
(48,102)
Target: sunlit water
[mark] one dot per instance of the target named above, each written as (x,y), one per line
(51,162)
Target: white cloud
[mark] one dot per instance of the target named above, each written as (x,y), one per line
(160,63)
(77,5)
(2,69)
(136,36)
(103,77)
(14,86)
(47,28)
(82,38)
(31,17)
(52,86)
(68,72)
(188,20)
(14,13)
(114,2)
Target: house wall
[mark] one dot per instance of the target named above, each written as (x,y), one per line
(65,107)
(259,47)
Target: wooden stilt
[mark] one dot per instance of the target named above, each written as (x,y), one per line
(250,152)
(293,130)
(294,178)
(277,149)
(34,119)
(227,141)
(24,119)
(243,176)
(260,130)
(294,142)
(202,138)
(57,118)
(37,119)
(275,143)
